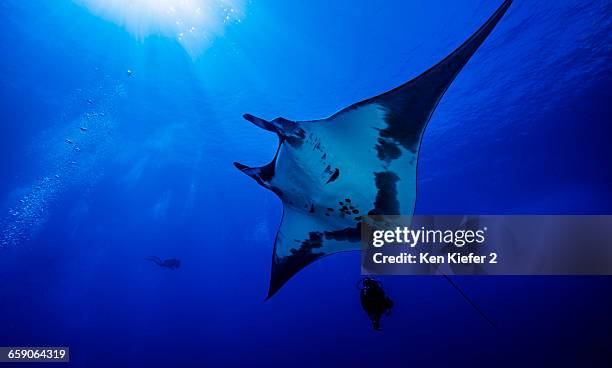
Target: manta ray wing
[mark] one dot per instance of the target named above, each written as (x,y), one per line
(360,161)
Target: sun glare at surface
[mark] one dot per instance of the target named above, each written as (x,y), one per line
(193,23)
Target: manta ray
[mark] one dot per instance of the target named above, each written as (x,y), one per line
(361,161)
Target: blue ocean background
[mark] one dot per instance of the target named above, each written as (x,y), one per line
(525,129)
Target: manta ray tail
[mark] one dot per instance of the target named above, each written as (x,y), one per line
(469,300)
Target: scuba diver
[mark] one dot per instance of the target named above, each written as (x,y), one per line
(374,301)
(171,263)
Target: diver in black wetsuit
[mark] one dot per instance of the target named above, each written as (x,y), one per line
(171,263)
(374,301)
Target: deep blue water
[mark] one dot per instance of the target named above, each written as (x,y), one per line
(525,129)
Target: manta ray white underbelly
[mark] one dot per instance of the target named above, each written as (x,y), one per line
(360,161)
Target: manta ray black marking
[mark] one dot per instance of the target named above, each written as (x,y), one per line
(360,161)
